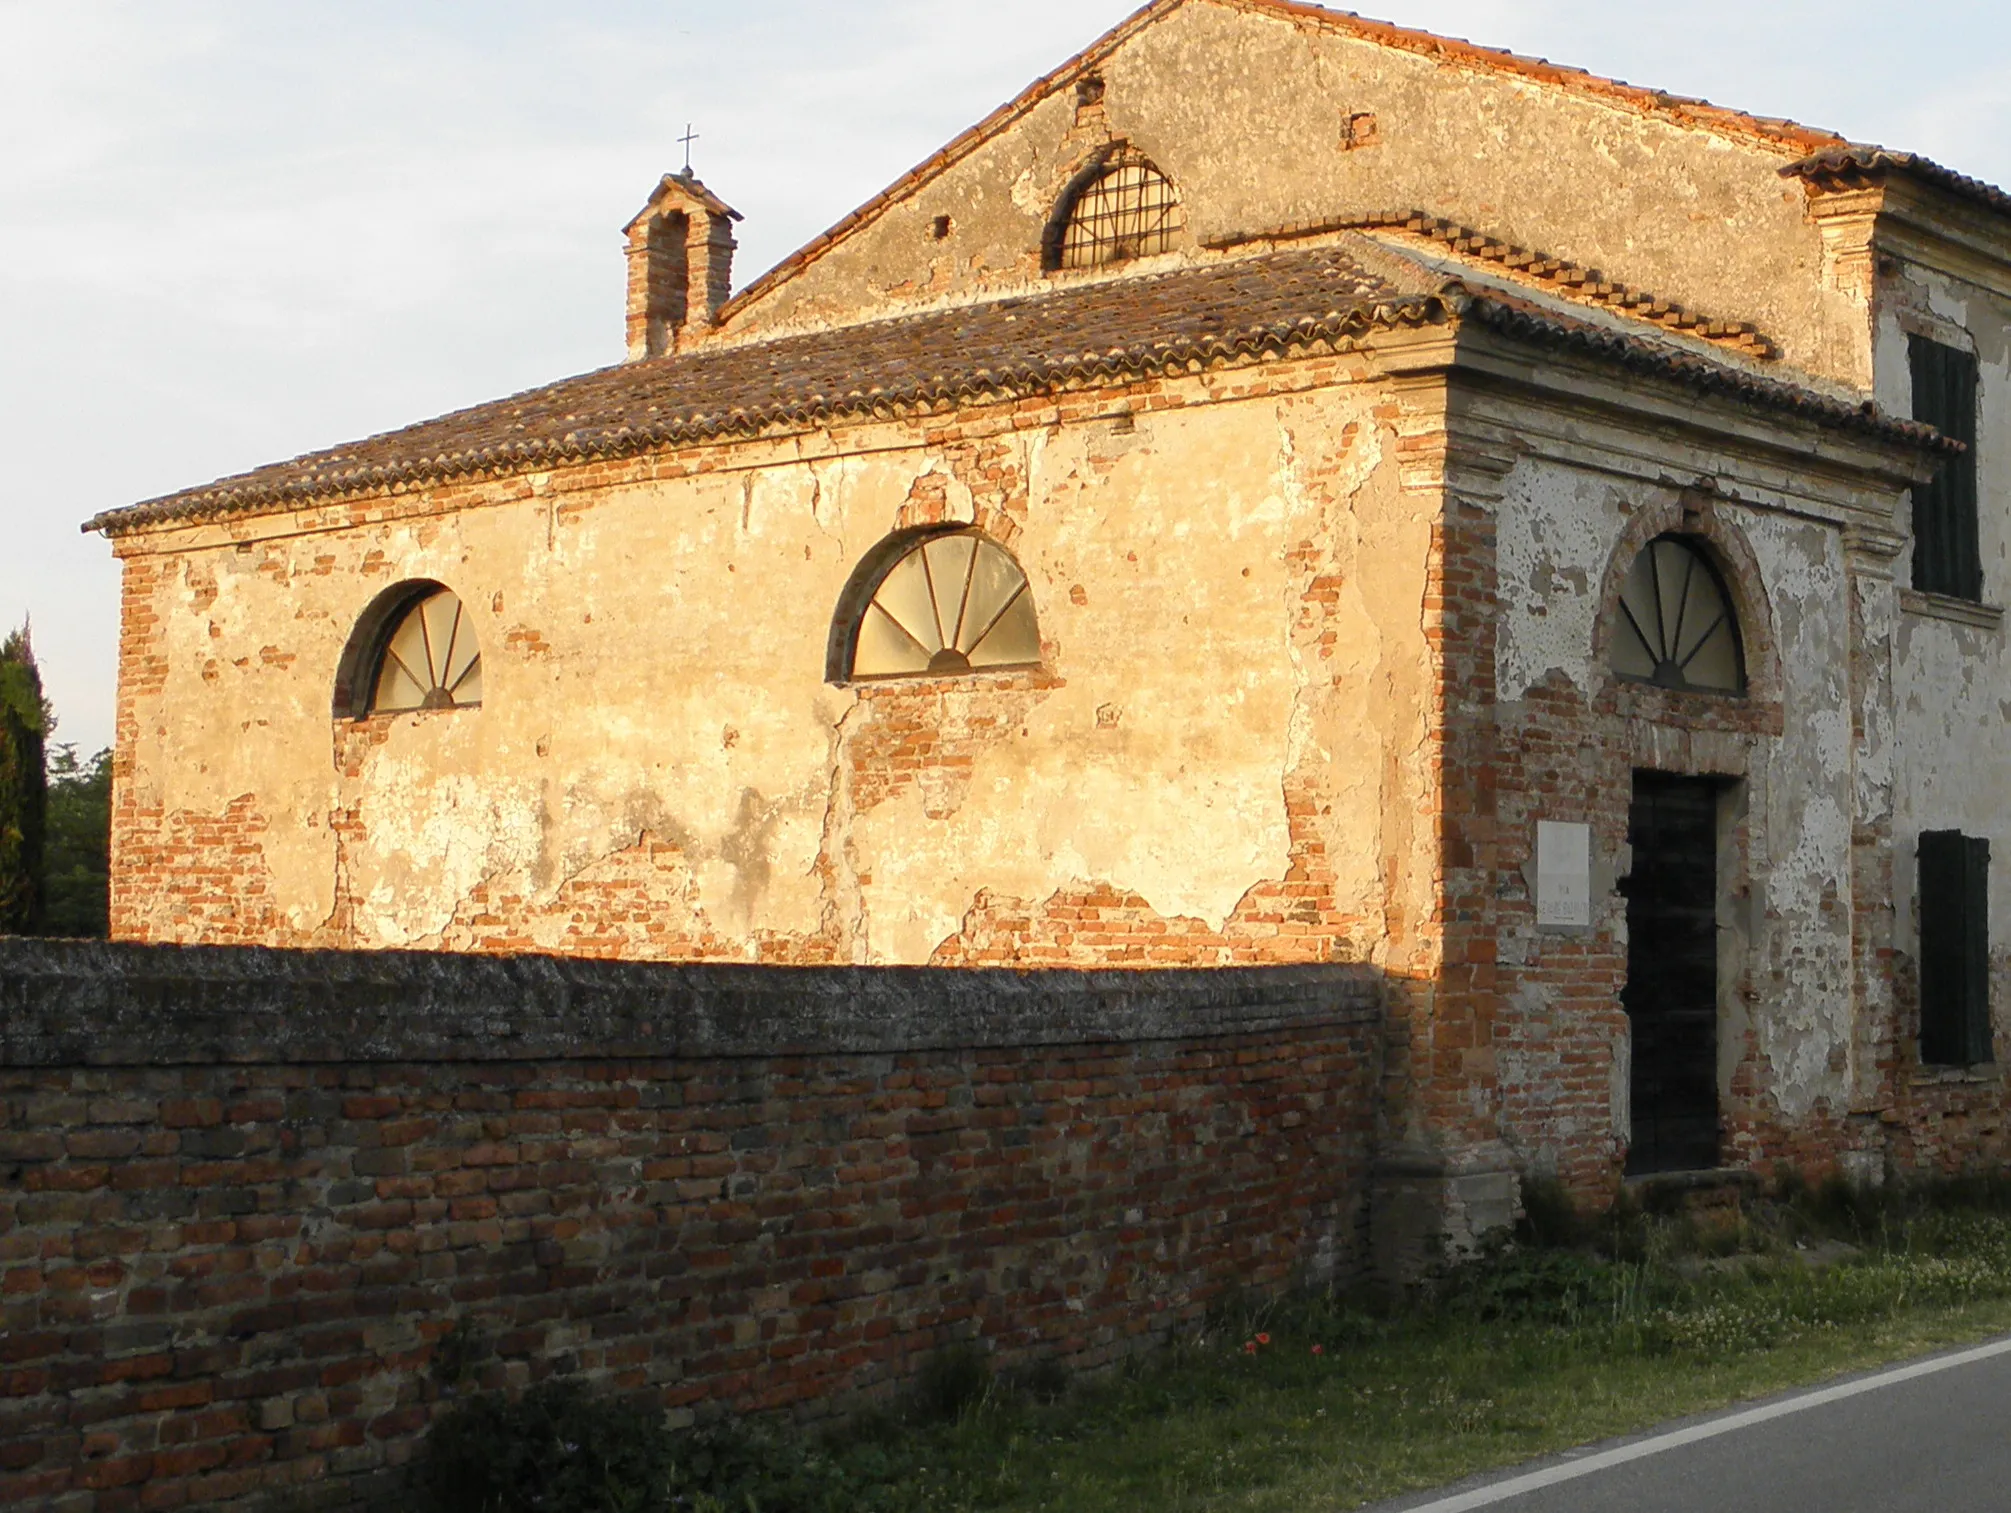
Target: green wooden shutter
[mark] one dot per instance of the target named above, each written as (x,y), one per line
(1976,1036)
(1946,558)
(1954,949)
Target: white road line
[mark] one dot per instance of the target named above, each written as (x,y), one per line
(1551,1476)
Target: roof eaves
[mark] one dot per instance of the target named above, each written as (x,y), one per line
(937,392)
(686,183)
(1589,285)
(1861,160)
(1700,372)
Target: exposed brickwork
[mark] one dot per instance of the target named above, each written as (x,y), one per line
(143,673)
(204,874)
(637,902)
(1450,1047)
(1561,1009)
(219,1278)
(1565,755)
(1942,1121)
(1276,923)
(927,733)
(1496,1031)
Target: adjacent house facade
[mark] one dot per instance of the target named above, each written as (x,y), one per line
(1284,489)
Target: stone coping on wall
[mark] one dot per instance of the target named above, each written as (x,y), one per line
(94,1003)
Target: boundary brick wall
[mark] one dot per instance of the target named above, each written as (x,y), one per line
(245,1193)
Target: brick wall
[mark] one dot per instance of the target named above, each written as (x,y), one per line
(244,1193)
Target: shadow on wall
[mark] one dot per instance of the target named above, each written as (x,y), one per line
(276,1181)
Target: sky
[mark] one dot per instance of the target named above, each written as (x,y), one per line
(232,231)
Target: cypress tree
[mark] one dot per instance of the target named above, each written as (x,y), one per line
(24,787)
(75,894)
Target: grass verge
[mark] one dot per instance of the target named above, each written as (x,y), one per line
(1328,1402)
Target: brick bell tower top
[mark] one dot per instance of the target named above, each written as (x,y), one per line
(680,265)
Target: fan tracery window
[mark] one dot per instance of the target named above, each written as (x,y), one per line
(954,602)
(1127,209)
(430,658)
(1676,627)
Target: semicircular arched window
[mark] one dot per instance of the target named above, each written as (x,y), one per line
(1676,624)
(429,659)
(1126,209)
(954,602)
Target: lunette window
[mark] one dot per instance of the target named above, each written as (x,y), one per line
(1676,627)
(430,660)
(955,602)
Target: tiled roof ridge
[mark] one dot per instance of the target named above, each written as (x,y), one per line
(1855,161)
(1688,109)
(1560,273)
(1700,113)
(937,392)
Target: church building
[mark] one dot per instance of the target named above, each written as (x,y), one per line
(1284,489)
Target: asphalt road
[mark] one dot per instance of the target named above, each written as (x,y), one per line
(1930,1437)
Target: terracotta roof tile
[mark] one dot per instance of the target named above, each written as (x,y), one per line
(1700,371)
(1580,283)
(1686,109)
(1103,330)
(1108,331)
(1856,162)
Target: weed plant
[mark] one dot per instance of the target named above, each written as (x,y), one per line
(1576,1328)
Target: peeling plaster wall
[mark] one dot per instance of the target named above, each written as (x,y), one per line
(1558,529)
(1248,114)
(1799,1026)
(1952,692)
(1215,750)
(1953,681)
(1571,742)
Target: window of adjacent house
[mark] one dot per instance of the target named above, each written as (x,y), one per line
(430,659)
(1946,557)
(1954,949)
(1127,210)
(954,602)
(1675,624)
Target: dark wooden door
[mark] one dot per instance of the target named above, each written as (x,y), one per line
(1671,997)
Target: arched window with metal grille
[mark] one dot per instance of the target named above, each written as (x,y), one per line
(1124,209)
(941,605)
(1676,626)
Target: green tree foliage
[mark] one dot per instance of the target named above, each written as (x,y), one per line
(25,722)
(77,867)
